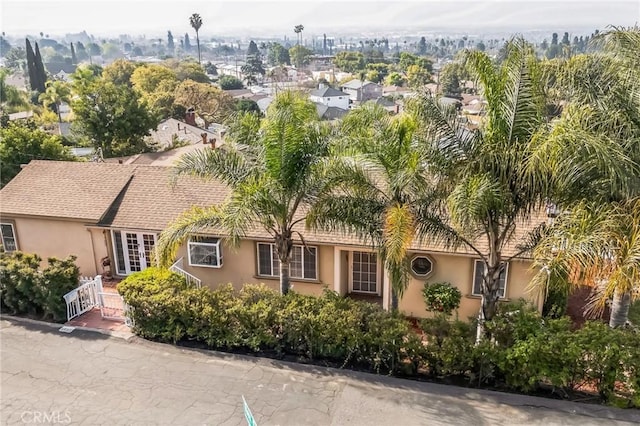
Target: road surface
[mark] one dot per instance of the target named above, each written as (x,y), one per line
(49,377)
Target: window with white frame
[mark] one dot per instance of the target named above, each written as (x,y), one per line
(8,235)
(364,272)
(205,251)
(303,264)
(479,270)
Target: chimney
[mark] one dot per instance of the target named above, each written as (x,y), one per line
(178,126)
(204,138)
(213,143)
(322,86)
(190,117)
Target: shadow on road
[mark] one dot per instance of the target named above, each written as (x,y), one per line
(52,328)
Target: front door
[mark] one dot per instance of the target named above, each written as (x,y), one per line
(132,250)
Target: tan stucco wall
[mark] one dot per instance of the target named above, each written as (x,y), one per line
(57,238)
(239,266)
(458,270)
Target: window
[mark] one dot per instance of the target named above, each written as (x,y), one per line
(421,266)
(364,272)
(303,264)
(478,271)
(8,234)
(205,251)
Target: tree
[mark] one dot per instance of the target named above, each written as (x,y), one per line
(300,55)
(170,43)
(252,50)
(450,78)
(229,82)
(196,23)
(56,93)
(156,85)
(5,46)
(113,117)
(187,70)
(278,55)
(74,59)
(422,46)
(349,61)
(382,187)
(247,105)
(298,30)
(395,79)
(417,76)
(594,245)
(21,142)
(187,43)
(252,68)
(273,169)
(94,49)
(210,103)
(506,170)
(11,98)
(36,76)
(120,71)
(16,59)
(595,239)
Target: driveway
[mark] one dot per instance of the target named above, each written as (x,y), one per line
(89,378)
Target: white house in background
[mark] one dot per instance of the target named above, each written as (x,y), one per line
(330,97)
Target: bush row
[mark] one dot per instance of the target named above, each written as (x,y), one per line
(328,328)
(24,289)
(527,353)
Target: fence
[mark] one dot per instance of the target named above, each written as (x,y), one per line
(191,279)
(90,294)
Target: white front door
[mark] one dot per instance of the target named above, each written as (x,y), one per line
(132,251)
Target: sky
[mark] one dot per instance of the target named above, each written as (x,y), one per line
(101,17)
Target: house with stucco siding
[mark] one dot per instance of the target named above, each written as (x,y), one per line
(110,215)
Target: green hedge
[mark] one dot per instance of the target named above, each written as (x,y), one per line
(24,289)
(328,328)
(527,353)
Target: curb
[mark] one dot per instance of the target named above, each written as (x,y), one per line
(128,337)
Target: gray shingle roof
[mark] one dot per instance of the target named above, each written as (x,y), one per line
(327,92)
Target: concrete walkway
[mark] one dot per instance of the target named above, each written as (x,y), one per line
(93,379)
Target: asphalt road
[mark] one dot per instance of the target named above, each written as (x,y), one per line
(87,378)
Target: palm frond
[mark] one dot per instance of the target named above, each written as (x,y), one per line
(198,220)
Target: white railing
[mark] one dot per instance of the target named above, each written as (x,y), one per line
(191,279)
(113,306)
(84,298)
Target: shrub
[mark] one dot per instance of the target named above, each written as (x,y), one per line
(441,297)
(24,289)
(448,346)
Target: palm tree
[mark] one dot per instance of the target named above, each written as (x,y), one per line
(381,187)
(298,30)
(274,170)
(595,241)
(196,22)
(504,172)
(596,245)
(56,93)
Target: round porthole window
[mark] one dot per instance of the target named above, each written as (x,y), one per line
(421,266)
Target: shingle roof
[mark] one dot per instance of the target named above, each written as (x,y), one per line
(327,92)
(152,202)
(73,190)
(142,197)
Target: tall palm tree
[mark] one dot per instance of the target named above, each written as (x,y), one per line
(604,91)
(196,22)
(56,93)
(298,30)
(503,173)
(274,170)
(382,187)
(596,245)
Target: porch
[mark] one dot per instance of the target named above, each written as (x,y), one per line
(96,304)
